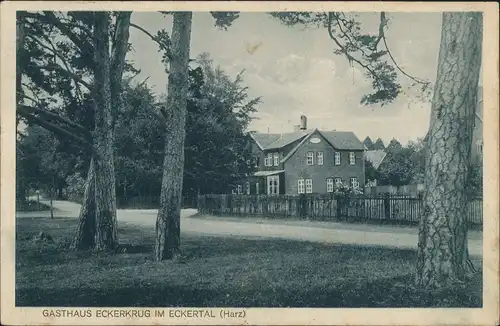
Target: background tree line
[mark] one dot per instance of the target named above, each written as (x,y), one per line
(216,149)
(405,164)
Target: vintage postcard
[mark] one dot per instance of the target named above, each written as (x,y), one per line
(249,163)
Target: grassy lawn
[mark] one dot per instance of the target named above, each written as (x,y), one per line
(31,206)
(220,271)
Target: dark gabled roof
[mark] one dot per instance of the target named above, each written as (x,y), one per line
(275,141)
(338,139)
(343,140)
(264,140)
(288,138)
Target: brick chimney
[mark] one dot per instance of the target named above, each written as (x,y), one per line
(303,122)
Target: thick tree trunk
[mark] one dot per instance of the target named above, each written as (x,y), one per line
(105,192)
(442,247)
(88,235)
(168,221)
(86,230)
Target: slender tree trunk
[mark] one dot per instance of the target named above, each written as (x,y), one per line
(86,230)
(118,52)
(168,221)
(20,40)
(442,247)
(105,192)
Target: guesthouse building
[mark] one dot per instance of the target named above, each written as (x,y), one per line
(305,161)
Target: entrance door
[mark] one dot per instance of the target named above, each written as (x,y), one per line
(273,185)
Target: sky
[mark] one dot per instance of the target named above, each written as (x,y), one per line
(295,71)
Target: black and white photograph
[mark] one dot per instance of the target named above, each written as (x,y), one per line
(183,165)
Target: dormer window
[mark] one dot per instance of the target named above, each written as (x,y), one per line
(352,158)
(337,158)
(276,157)
(310,158)
(268,161)
(320,158)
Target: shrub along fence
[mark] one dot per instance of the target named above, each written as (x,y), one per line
(402,209)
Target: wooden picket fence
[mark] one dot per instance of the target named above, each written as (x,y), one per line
(326,207)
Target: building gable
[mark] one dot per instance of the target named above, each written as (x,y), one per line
(338,140)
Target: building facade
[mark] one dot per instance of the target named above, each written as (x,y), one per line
(305,161)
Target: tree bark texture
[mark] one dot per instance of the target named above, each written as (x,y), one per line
(442,246)
(86,229)
(118,52)
(168,220)
(105,192)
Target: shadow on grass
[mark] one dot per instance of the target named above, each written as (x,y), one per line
(382,293)
(220,271)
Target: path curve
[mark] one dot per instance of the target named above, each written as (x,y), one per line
(387,236)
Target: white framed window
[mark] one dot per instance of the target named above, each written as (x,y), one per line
(320,158)
(273,185)
(276,157)
(354,183)
(338,182)
(352,158)
(309,186)
(310,158)
(300,186)
(268,161)
(234,192)
(256,161)
(337,158)
(329,185)
(247,186)
(240,189)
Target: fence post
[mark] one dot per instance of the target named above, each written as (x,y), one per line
(387,206)
(302,206)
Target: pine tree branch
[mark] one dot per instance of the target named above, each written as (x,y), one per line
(55,117)
(344,50)
(52,127)
(85,48)
(341,22)
(151,36)
(383,23)
(417,80)
(56,67)
(67,71)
